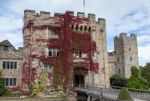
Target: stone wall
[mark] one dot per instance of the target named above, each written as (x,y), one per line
(112,64)
(12,56)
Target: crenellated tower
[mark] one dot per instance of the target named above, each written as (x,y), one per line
(126,53)
(68,50)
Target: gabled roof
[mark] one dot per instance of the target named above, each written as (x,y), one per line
(6,43)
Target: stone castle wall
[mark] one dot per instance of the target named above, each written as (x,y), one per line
(35,34)
(112,62)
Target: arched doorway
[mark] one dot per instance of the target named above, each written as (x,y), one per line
(79,76)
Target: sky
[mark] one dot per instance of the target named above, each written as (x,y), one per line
(129,16)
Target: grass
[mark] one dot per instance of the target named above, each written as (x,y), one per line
(9,94)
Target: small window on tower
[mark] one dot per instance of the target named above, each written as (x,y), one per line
(129,49)
(81,28)
(85,28)
(89,29)
(119,70)
(50,53)
(80,54)
(53,52)
(72,27)
(130,58)
(76,27)
(5,48)
(118,59)
(52,34)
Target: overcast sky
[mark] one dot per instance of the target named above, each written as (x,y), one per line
(130,16)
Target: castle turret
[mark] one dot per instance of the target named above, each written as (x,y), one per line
(126,53)
(102,58)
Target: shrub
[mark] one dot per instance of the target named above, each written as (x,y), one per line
(145,73)
(139,90)
(2,87)
(124,95)
(117,80)
(135,81)
(40,87)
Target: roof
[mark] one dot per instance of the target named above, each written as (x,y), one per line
(6,43)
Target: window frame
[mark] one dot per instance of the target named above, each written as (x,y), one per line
(10,82)
(9,65)
(54,52)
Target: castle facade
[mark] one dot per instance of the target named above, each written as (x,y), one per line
(64,51)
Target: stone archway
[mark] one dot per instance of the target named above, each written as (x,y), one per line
(79,76)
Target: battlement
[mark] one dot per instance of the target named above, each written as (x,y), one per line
(124,35)
(133,35)
(81,14)
(44,14)
(91,16)
(29,11)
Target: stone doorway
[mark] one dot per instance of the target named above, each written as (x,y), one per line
(79,76)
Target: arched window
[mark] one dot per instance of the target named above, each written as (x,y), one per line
(85,28)
(81,28)
(77,27)
(72,27)
(89,29)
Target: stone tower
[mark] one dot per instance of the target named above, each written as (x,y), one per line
(100,37)
(69,50)
(126,53)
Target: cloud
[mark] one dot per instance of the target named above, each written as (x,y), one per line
(143,40)
(144,55)
(135,20)
(143,48)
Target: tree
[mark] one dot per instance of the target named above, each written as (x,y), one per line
(2,87)
(117,80)
(145,73)
(135,81)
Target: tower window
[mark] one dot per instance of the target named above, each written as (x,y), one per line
(89,29)
(77,27)
(129,49)
(5,48)
(72,27)
(130,58)
(85,28)
(81,28)
(80,54)
(52,34)
(54,52)
(118,59)
(119,70)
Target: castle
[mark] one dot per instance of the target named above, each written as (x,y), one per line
(68,51)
